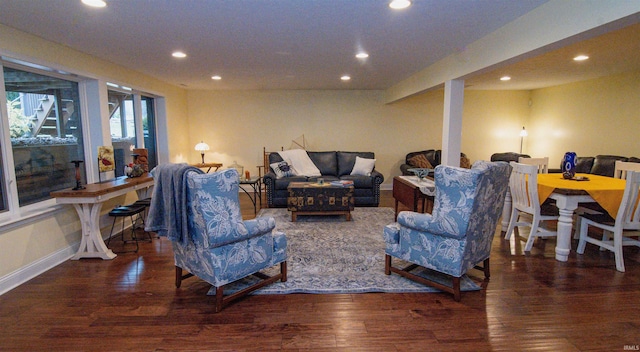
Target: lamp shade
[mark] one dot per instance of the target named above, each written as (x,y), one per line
(202,146)
(523,133)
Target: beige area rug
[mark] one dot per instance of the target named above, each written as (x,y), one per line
(327,254)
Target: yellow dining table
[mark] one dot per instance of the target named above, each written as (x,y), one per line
(606,191)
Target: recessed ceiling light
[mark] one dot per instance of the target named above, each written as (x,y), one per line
(362,55)
(94,3)
(580,58)
(345,78)
(179,54)
(216,78)
(399,4)
(505,78)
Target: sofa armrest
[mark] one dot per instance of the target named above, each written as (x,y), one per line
(377,176)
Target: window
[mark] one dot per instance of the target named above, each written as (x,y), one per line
(45,128)
(131,119)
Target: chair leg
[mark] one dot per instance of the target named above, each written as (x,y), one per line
(178,276)
(219,296)
(456,289)
(617,250)
(283,271)
(512,223)
(387,264)
(533,233)
(487,269)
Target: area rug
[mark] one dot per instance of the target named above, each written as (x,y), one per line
(327,254)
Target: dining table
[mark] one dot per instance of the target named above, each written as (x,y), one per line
(569,193)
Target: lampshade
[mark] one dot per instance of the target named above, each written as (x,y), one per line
(523,133)
(202,146)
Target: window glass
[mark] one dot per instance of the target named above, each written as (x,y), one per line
(45,131)
(123,128)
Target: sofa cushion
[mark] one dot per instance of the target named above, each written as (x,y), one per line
(605,165)
(326,162)
(583,164)
(359,181)
(346,160)
(420,161)
(363,166)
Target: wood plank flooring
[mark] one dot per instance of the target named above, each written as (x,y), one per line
(532,302)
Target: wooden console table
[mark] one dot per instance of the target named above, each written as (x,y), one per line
(88,203)
(408,193)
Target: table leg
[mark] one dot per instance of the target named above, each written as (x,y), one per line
(91,245)
(506,211)
(566,207)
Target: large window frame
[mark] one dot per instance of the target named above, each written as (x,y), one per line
(91,100)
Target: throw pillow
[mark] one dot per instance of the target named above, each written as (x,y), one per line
(299,160)
(420,161)
(363,166)
(283,169)
(465,162)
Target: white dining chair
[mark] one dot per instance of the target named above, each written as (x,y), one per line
(523,185)
(541,163)
(621,168)
(626,223)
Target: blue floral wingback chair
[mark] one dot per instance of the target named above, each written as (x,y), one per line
(217,245)
(458,234)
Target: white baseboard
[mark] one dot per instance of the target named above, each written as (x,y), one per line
(28,272)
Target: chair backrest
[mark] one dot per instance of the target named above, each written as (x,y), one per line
(468,203)
(622,167)
(523,185)
(629,212)
(541,163)
(213,208)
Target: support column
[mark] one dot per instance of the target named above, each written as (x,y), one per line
(452,122)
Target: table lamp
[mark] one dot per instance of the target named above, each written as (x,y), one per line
(201,147)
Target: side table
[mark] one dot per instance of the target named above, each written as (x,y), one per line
(209,165)
(408,193)
(256,185)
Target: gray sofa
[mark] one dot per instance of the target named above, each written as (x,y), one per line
(333,165)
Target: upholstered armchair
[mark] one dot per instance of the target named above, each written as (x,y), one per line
(458,234)
(218,246)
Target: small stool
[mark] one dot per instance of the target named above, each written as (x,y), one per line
(146,203)
(123,212)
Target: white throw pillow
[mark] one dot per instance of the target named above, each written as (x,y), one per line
(363,166)
(283,169)
(300,161)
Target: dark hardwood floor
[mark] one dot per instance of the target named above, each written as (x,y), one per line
(532,302)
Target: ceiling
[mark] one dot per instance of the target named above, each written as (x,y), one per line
(303,44)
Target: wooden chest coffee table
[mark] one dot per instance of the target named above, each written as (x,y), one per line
(310,198)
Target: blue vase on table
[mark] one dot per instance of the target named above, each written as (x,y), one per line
(569,165)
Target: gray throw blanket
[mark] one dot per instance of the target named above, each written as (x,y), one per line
(168,210)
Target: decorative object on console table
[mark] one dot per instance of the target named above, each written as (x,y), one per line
(79,185)
(202,147)
(569,165)
(141,158)
(106,161)
(133,170)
